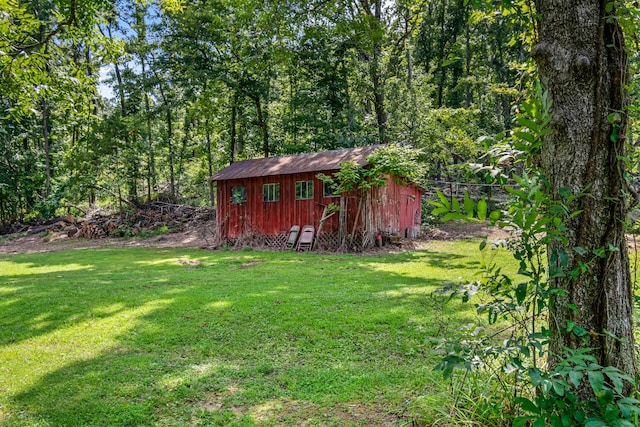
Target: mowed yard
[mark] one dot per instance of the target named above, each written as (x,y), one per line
(180,337)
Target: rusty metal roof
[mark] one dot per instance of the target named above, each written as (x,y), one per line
(296,163)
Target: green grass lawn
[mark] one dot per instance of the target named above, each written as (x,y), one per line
(123,337)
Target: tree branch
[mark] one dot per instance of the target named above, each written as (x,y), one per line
(71,20)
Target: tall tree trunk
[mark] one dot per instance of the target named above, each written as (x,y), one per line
(119,194)
(582,63)
(293,106)
(131,175)
(172,155)
(376,73)
(441,55)
(189,124)
(47,147)
(89,61)
(209,161)
(262,122)
(234,115)
(241,123)
(409,67)
(378,94)
(46,138)
(468,57)
(131,161)
(151,158)
(141,49)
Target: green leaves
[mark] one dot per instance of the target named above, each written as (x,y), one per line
(448,363)
(399,160)
(392,159)
(558,401)
(482,210)
(577,390)
(609,6)
(469,210)
(596,379)
(469,205)
(615,118)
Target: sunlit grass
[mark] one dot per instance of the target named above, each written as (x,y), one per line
(13,269)
(30,360)
(185,337)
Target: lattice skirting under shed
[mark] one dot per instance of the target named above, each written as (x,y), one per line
(278,241)
(326,241)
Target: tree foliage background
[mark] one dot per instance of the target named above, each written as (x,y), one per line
(141,100)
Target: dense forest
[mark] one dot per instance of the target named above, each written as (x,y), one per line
(107,100)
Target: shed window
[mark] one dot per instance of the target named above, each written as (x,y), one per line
(271,192)
(304,190)
(329,189)
(238,194)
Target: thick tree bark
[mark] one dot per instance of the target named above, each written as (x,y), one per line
(582,63)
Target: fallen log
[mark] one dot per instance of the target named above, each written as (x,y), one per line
(47,226)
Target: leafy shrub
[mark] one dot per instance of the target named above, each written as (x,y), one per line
(576,390)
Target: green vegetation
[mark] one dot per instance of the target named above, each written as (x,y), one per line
(186,337)
(110,100)
(567,358)
(199,84)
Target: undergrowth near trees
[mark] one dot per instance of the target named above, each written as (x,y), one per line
(506,376)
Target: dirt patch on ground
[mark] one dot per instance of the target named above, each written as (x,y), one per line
(201,236)
(458,230)
(303,413)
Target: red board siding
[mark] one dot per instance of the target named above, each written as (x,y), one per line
(401,211)
(394,209)
(270,218)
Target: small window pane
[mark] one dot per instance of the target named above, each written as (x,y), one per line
(271,192)
(238,194)
(304,190)
(329,189)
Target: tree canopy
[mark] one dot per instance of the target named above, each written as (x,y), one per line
(193,85)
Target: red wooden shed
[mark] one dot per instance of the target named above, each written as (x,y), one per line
(264,198)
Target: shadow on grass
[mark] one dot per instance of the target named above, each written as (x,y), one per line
(160,340)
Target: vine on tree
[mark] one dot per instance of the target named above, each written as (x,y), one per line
(518,306)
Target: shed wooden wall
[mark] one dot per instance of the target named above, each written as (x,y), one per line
(394,209)
(270,218)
